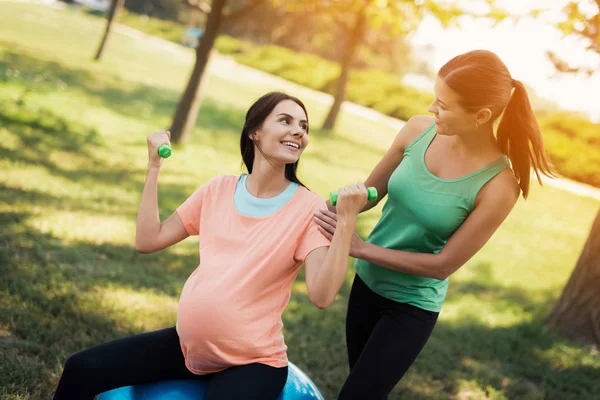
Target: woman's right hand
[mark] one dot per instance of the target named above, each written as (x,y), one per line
(351,200)
(154,141)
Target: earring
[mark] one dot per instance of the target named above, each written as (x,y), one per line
(476,125)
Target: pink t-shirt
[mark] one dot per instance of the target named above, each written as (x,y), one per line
(230,308)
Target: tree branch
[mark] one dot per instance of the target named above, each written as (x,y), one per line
(563,66)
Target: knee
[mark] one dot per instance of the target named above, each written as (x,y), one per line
(79,365)
(76,381)
(72,365)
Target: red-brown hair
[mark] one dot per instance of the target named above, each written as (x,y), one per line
(482,80)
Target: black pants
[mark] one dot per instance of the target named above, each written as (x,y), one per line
(157,356)
(384,338)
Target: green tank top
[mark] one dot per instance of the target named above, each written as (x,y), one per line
(420,214)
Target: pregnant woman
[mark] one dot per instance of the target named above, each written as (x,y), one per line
(255,232)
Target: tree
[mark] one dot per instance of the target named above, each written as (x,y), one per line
(354,37)
(189,103)
(115,8)
(277,23)
(576,315)
(356,18)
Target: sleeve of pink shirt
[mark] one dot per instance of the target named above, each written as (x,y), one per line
(189,211)
(311,239)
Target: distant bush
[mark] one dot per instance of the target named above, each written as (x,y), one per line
(305,69)
(371,88)
(573,144)
(228,45)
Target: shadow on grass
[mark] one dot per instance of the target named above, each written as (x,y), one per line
(522,361)
(465,358)
(49,304)
(46,140)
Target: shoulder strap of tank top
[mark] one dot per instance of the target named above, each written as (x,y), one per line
(422,141)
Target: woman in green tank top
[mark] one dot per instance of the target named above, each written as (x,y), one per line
(450,182)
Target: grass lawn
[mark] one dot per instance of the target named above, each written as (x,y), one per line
(73,157)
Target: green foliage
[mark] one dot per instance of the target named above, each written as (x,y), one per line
(581,19)
(371,88)
(305,69)
(573,144)
(387,94)
(573,126)
(229,45)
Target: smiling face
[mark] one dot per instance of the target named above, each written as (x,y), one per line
(451,118)
(283,135)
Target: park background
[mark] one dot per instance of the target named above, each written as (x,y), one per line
(83,83)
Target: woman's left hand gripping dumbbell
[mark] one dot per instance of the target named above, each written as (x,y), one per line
(351,200)
(157,143)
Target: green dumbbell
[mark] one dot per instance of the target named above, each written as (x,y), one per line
(371,195)
(164,150)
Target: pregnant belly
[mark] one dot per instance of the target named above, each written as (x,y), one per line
(216,330)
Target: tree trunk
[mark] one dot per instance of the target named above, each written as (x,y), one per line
(187,109)
(577,313)
(115,8)
(356,36)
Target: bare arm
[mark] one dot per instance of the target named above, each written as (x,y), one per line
(380,175)
(495,203)
(151,234)
(326,267)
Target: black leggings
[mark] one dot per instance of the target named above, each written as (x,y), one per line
(384,338)
(157,356)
